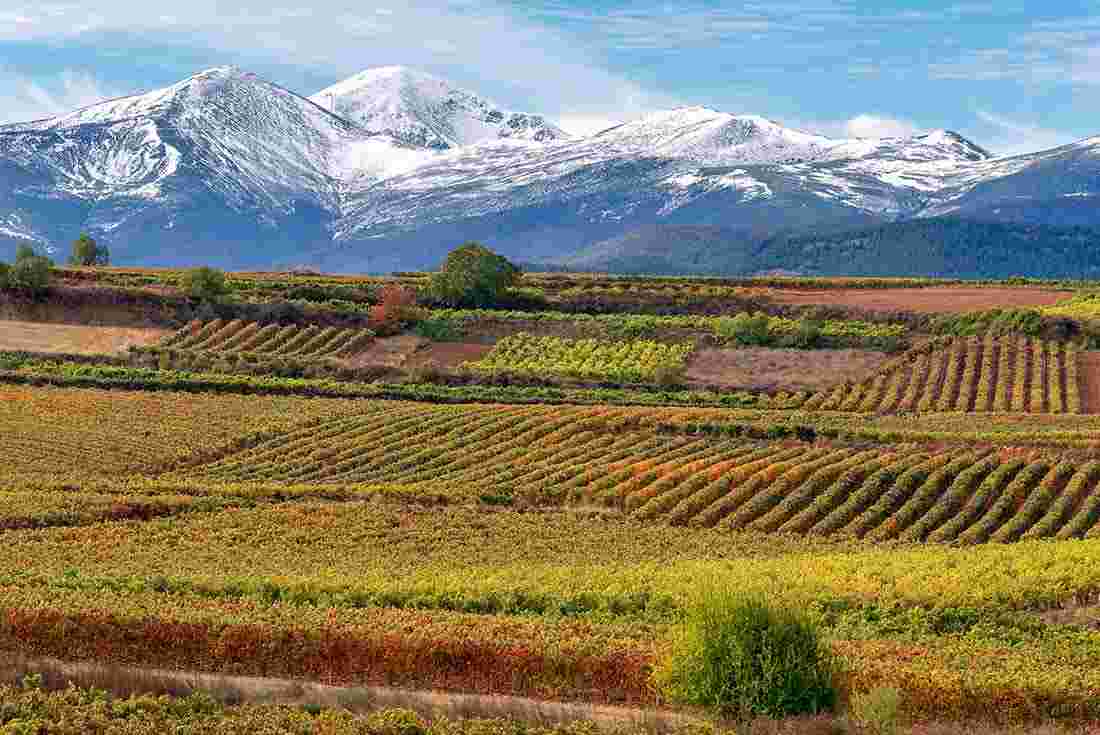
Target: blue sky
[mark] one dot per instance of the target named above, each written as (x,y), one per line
(1012,76)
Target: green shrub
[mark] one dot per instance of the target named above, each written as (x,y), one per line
(750,330)
(31,273)
(438,330)
(806,336)
(473,275)
(743,657)
(207,284)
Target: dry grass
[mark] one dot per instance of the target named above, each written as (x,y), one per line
(763,367)
(932,300)
(18,336)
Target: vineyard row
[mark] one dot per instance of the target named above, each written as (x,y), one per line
(973,374)
(272,339)
(514,455)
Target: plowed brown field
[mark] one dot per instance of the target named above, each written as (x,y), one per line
(933,300)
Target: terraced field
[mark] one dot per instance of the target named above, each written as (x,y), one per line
(272,340)
(584,456)
(969,374)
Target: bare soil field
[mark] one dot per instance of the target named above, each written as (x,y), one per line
(933,300)
(74,340)
(449,354)
(793,369)
(409,351)
(391,352)
(1088,374)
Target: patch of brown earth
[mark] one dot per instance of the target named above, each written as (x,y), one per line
(449,355)
(72,339)
(391,352)
(762,367)
(1088,373)
(933,300)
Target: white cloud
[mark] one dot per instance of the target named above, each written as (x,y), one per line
(488,45)
(877,126)
(1014,137)
(865,125)
(31,99)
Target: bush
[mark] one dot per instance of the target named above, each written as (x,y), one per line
(805,337)
(473,276)
(743,657)
(745,329)
(438,330)
(207,284)
(31,273)
(396,306)
(88,252)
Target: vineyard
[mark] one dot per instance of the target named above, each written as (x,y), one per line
(89,433)
(253,498)
(627,361)
(271,340)
(530,456)
(973,374)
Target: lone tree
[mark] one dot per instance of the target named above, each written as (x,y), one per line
(30,273)
(86,251)
(473,275)
(204,283)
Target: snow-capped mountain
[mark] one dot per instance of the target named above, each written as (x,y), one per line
(391,168)
(426,112)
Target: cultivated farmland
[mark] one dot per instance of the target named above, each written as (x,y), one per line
(537,520)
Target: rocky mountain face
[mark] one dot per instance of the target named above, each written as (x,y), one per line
(391,168)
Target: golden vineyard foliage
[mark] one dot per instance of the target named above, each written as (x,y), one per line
(626,361)
(270,340)
(968,374)
(99,432)
(570,455)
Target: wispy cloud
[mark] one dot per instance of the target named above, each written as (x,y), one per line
(31,99)
(1012,137)
(1059,52)
(486,44)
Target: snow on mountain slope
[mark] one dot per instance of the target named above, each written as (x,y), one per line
(227,167)
(426,112)
(702,134)
(249,141)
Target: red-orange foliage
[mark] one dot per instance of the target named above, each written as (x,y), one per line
(395,304)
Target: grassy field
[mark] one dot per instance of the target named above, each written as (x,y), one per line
(938,519)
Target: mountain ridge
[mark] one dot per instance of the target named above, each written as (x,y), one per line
(231,169)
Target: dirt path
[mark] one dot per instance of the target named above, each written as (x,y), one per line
(126,680)
(72,339)
(1089,375)
(934,300)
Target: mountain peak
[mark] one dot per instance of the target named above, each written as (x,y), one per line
(707,135)
(958,145)
(425,111)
